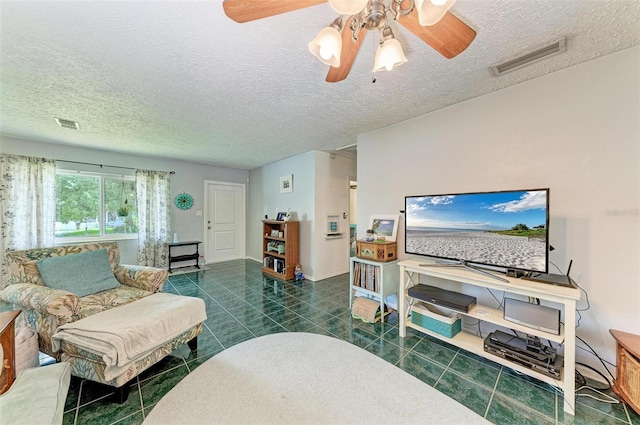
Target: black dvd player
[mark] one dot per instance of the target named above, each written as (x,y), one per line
(442,297)
(518,350)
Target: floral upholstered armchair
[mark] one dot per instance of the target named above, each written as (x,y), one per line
(45,308)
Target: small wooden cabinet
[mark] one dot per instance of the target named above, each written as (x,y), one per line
(627,383)
(280,248)
(377,251)
(7,342)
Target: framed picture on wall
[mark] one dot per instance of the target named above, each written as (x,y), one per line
(286,183)
(385,226)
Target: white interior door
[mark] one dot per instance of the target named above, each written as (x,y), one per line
(224,222)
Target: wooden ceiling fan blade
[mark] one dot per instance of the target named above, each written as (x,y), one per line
(249,10)
(348,54)
(449,37)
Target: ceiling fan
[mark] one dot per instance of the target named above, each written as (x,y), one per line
(337,45)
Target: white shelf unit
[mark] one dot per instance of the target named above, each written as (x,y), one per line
(412,271)
(386,279)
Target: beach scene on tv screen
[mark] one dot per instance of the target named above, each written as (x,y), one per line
(505,229)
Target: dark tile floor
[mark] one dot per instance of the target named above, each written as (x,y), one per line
(243,304)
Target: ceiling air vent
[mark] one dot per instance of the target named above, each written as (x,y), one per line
(544,52)
(73,125)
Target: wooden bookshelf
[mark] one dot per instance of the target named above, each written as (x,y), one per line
(280,248)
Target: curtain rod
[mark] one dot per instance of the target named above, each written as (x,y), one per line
(101,165)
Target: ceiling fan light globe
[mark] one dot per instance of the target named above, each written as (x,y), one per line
(327,46)
(348,7)
(326,52)
(431,11)
(388,55)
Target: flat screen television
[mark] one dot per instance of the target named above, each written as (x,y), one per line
(505,230)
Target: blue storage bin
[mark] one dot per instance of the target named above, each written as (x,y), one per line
(443,322)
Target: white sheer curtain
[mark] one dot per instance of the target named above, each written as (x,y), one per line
(154,208)
(27,202)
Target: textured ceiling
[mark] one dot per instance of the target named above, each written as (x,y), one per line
(181,80)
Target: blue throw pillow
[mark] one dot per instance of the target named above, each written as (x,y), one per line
(82,274)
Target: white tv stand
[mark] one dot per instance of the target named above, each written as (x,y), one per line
(410,274)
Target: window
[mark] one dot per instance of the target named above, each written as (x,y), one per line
(95,206)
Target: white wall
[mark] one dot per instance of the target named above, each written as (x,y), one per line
(188,177)
(320,186)
(332,197)
(265,199)
(575,131)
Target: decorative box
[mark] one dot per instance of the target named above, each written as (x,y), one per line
(443,322)
(377,251)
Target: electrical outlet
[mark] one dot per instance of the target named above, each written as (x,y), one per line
(199,213)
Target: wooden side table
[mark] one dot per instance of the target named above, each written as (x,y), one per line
(627,382)
(7,340)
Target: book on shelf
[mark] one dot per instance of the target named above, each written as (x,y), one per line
(278,265)
(366,276)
